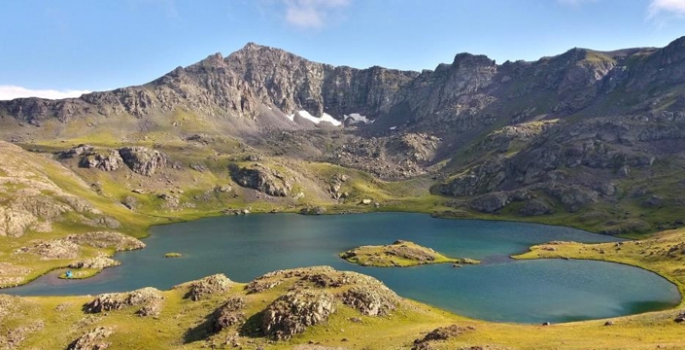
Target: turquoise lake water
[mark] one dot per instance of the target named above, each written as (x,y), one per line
(500,289)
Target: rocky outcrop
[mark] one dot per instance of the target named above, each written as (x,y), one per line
(207,287)
(95,339)
(229,314)
(400,253)
(146,298)
(371,299)
(52,249)
(572,197)
(107,240)
(77,151)
(105,161)
(262,179)
(294,312)
(536,207)
(318,210)
(491,202)
(440,334)
(98,263)
(142,160)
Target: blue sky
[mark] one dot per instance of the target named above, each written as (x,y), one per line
(61,48)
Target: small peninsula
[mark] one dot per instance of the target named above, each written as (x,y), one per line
(400,254)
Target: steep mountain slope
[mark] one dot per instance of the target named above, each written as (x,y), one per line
(586,135)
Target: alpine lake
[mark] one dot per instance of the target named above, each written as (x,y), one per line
(499,289)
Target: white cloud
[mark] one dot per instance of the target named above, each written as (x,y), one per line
(9,92)
(672,7)
(312,13)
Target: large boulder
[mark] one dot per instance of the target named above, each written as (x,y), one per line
(143,160)
(109,161)
(294,312)
(262,179)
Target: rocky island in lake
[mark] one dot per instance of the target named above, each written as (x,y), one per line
(400,254)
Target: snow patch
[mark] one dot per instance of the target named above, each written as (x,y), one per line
(393,127)
(356,118)
(324,118)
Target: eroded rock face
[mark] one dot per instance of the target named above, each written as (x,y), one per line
(262,179)
(95,339)
(142,160)
(294,312)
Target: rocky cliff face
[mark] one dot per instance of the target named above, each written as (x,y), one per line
(563,133)
(471,93)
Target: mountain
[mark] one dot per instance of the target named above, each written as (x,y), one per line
(586,133)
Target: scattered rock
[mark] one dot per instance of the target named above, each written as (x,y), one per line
(680,318)
(130,202)
(313,211)
(93,340)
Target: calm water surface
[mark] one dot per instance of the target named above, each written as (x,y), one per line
(500,289)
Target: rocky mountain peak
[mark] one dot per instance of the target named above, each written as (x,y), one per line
(469,60)
(674,52)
